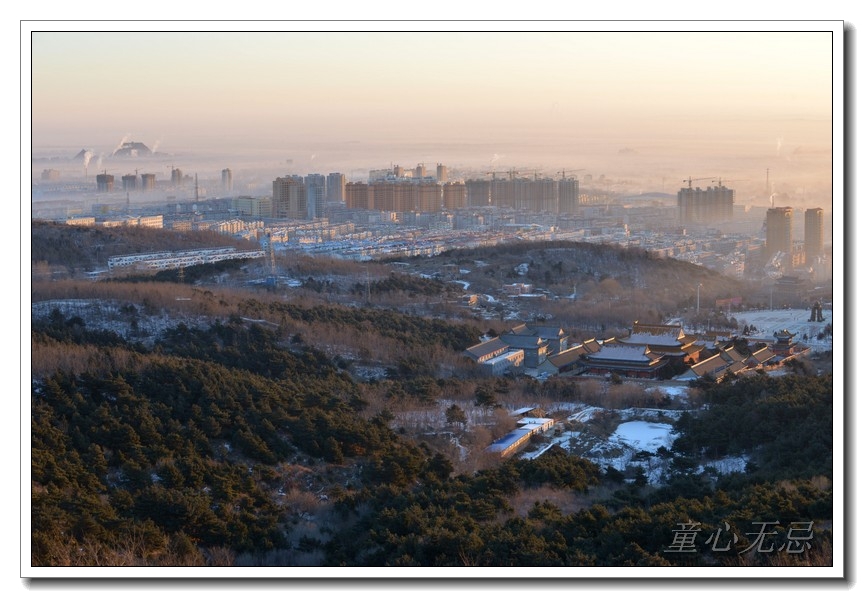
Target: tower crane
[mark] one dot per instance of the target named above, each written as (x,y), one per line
(512,173)
(563,172)
(720,181)
(689,181)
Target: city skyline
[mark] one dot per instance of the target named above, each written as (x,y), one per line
(663,105)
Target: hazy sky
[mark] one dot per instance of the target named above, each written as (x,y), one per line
(550,99)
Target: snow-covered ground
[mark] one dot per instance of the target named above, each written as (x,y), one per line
(725,466)
(635,442)
(622,448)
(676,391)
(644,435)
(769,321)
(584,415)
(563,441)
(115,316)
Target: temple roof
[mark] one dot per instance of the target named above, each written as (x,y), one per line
(486,348)
(623,353)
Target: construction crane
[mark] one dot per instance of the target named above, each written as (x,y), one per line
(563,172)
(689,181)
(512,173)
(719,181)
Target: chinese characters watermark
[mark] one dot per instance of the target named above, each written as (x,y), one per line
(723,539)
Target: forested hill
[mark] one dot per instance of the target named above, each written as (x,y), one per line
(226,445)
(564,264)
(74,249)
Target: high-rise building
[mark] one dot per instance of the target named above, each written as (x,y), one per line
(544,195)
(105,183)
(315,189)
(705,206)
(420,171)
(259,207)
(227,180)
(359,196)
(148,181)
(455,195)
(441,173)
(478,193)
(814,234)
(336,187)
(289,198)
(130,182)
(393,196)
(381,174)
(778,235)
(427,196)
(568,196)
(503,193)
(176,177)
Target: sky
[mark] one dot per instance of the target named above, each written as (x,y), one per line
(652,102)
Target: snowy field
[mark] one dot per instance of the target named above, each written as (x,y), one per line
(643,435)
(769,321)
(633,437)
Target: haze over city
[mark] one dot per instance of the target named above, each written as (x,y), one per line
(651,108)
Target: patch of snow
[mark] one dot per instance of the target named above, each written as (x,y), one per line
(726,465)
(370,372)
(630,438)
(644,435)
(584,415)
(564,439)
(645,412)
(671,390)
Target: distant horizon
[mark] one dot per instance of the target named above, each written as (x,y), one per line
(650,172)
(656,106)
